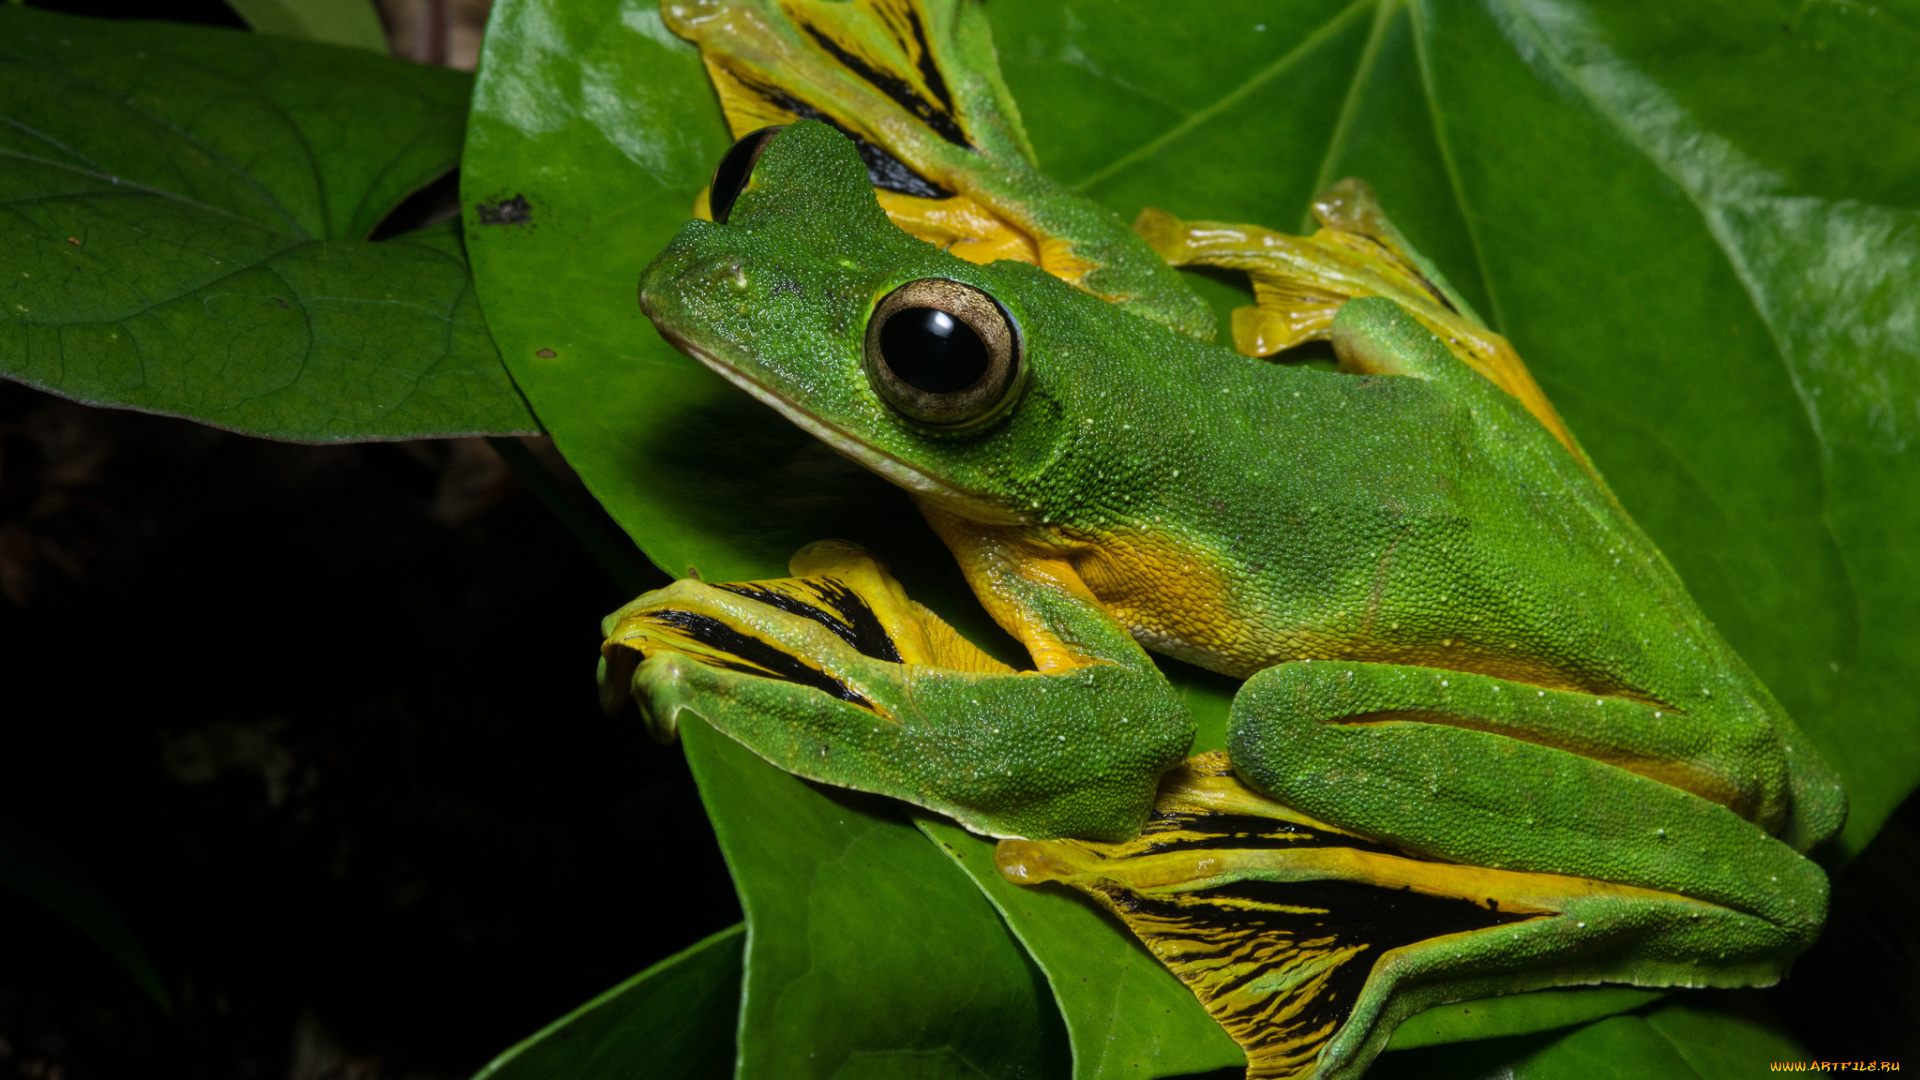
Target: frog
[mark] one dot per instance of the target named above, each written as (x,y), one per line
(1478,705)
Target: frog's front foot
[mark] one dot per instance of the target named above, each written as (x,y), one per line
(835,675)
(691,641)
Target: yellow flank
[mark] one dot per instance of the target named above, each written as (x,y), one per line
(1175,600)
(1299,284)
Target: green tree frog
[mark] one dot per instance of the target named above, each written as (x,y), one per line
(1486,742)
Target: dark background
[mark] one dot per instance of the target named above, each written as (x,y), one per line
(320,723)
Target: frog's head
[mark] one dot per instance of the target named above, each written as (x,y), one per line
(912,362)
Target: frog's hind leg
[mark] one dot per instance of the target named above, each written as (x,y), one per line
(1476,769)
(1301,284)
(916,85)
(1309,943)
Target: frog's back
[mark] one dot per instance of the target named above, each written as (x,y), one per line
(1374,517)
(1295,514)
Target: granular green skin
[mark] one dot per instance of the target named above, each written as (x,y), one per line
(1407,547)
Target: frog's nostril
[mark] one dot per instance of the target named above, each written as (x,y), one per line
(671,281)
(719,270)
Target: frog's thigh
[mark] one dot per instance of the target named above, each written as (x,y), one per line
(1351,743)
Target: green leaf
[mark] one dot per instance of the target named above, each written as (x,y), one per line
(186,213)
(36,869)
(1695,224)
(1516,1014)
(673,1021)
(1120,1006)
(354,23)
(867,955)
(1707,1036)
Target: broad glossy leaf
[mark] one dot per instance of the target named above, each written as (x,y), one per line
(1748,391)
(354,23)
(186,213)
(1717,1036)
(1516,1014)
(1120,1007)
(673,1021)
(862,961)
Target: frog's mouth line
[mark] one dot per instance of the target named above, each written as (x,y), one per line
(969,504)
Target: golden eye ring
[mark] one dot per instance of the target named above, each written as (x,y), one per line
(944,354)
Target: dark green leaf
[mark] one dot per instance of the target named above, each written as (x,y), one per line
(1681,215)
(31,866)
(673,1021)
(185,232)
(354,23)
(1120,1006)
(1718,1036)
(1516,1014)
(867,955)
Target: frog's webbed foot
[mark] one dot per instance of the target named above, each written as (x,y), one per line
(836,675)
(916,84)
(812,630)
(1301,282)
(1309,943)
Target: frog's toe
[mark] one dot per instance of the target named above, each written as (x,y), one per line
(660,713)
(718,650)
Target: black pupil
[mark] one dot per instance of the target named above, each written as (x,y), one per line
(932,351)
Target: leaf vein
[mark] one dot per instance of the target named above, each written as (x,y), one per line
(1231,98)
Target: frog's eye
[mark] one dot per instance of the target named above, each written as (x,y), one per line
(943,354)
(736,168)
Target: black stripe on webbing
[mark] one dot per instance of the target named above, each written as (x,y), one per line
(759,657)
(1190,832)
(851,619)
(1313,917)
(938,117)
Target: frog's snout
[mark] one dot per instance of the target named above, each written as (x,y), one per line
(669,279)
